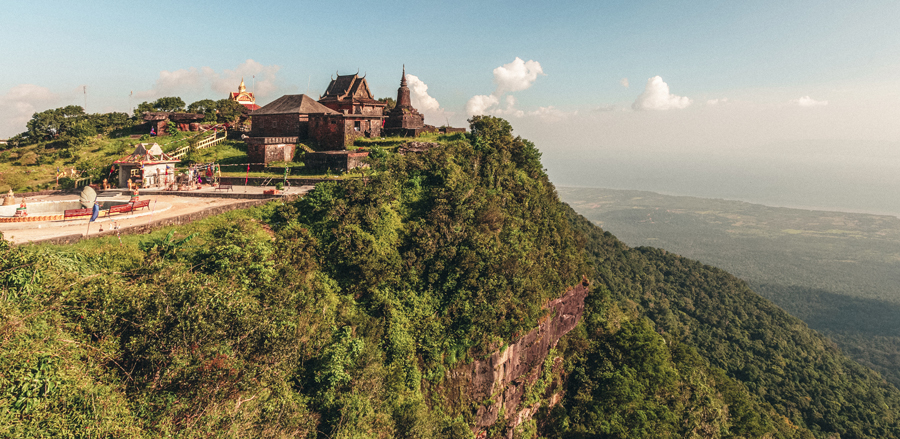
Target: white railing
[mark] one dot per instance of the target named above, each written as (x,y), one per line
(212,140)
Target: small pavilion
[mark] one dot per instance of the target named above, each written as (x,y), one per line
(147,166)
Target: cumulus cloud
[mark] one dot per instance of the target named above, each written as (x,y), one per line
(656,96)
(515,76)
(194,81)
(624,82)
(807,101)
(422,101)
(480,104)
(418,93)
(20,103)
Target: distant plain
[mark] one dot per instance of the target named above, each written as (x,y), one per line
(839,272)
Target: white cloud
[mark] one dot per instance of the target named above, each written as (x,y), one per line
(656,96)
(427,105)
(624,82)
(516,76)
(605,108)
(550,114)
(418,91)
(20,103)
(807,101)
(480,104)
(205,81)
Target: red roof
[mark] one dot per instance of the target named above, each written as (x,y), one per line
(252,107)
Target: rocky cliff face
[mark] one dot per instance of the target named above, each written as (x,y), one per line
(502,383)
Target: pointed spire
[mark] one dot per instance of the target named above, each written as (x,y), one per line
(403,78)
(241,87)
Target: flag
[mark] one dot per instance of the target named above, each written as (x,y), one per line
(96,212)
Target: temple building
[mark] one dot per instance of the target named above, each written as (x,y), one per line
(358,114)
(280,125)
(404,120)
(244,97)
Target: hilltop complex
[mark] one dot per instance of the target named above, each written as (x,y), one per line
(348,110)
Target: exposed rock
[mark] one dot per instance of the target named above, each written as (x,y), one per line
(500,382)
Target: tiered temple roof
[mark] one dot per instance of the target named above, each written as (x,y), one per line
(244,97)
(347,89)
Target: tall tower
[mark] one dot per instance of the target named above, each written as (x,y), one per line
(403,92)
(403,119)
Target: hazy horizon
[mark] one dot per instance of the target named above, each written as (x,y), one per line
(861,184)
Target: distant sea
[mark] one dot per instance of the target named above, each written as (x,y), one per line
(835,182)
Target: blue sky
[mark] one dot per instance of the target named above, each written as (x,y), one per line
(735,78)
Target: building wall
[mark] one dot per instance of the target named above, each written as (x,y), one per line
(338,131)
(350,108)
(280,125)
(341,161)
(329,132)
(149,175)
(259,152)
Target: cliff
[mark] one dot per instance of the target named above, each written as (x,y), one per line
(503,380)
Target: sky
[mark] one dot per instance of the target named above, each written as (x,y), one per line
(779,102)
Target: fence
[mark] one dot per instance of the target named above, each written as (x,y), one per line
(212,139)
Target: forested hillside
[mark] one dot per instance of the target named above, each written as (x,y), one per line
(347,314)
(837,271)
(708,325)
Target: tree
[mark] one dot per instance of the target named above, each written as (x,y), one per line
(170,104)
(205,106)
(389,103)
(228,110)
(143,108)
(54,122)
(491,129)
(202,106)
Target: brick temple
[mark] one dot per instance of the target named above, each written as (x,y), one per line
(404,120)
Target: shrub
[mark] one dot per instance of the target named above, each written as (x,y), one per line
(28,159)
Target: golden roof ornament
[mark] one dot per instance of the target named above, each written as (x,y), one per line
(242,88)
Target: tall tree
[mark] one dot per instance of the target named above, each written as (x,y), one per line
(228,110)
(169,103)
(204,106)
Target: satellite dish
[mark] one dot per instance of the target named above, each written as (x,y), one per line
(88,197)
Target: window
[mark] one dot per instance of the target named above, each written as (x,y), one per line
(356,125)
